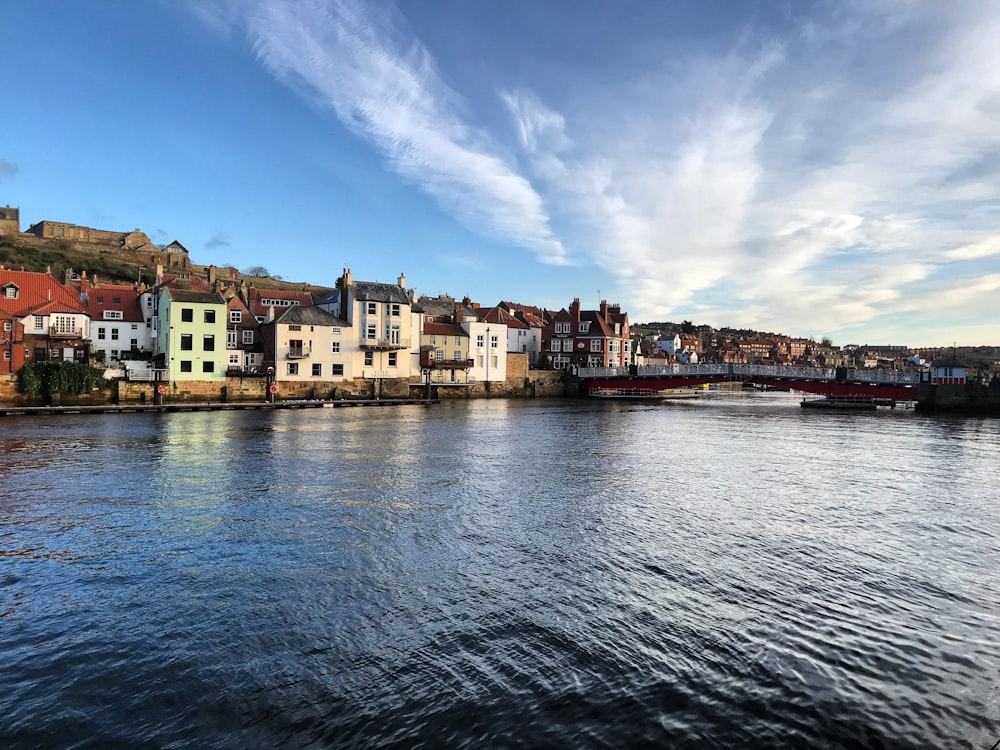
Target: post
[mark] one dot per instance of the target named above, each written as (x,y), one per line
(270,387)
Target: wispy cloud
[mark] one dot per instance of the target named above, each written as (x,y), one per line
(218,239)
(8,168)
(358,59)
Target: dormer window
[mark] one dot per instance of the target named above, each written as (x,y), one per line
(584,326)
(10,291)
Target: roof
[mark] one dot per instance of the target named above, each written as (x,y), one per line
(37,293)
(103,298)
(308,315)
(443,329)
(255,296)
(193,297)
(373,291)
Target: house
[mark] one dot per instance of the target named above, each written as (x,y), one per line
(521,337)
(949,371)
(587,338)
(47,320)
(119,329)
(261,301)
(444,354)
(245,352)
(382,322)
(190,335)
(310,346)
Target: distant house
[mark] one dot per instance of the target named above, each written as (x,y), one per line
(118,326)
(949,371)
(311,346)
(191,335)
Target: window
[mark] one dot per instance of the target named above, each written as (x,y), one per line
(6,355)
(595,345)
(235,316)
(135,327)
(479,361)
(187,342)
(113,315)
(336,330)
(317,370)
(335,347)
(208,366)
(118,300)
(394,310)
(208,343)
(247,337)
(231,338)
(186,365)
(209,316)
(114,354)
(293,368)
(493,361)
(494,342)
(187,315)
(10,291)
(369,359)
(392,359)
(458,355)
(7,325)
(133,343)
(444,341)
(557,345)
(294,328)
(100,334)
(114,334)
(433,340)
(39,322)
(337,369)
(479,340)
(234,359)
(295,348)
(372,308)
(370,332)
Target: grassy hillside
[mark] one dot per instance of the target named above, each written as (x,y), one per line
(56,256)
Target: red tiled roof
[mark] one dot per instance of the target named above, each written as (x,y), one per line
(37,293)
(443,329)
(103,298)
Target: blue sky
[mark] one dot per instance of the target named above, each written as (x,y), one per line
(815,168)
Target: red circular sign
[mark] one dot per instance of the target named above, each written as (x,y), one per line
(161,389)
(272,388)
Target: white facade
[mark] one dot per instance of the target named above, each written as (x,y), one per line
(489,356)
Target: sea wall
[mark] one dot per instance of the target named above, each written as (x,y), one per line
(970,399)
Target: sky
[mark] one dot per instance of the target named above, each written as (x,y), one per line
(823,169)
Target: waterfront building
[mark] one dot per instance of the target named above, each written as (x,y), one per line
(119,329)
(588,338)
(444,354)
(310,346)
(190,335)
(244,341)
(47,320)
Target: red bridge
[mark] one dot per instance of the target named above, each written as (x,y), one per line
(835,382)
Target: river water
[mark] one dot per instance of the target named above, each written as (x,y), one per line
(731,572)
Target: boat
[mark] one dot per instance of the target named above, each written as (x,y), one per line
(644,394)
(865,403)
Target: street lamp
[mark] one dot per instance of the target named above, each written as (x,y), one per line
(487,356)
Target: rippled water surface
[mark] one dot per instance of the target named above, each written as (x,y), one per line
(735,572)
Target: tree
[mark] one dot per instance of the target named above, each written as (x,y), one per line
(257,271)
(687,326)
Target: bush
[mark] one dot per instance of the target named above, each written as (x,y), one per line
(67,378)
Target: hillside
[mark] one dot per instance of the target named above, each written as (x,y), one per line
(56,256)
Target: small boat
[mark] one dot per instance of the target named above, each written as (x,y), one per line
(864,403)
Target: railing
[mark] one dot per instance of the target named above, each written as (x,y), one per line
(74,334)
(145,376)
(449,364)
(737,371)
(385,343)
(299,352)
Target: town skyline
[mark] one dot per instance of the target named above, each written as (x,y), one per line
(824,171)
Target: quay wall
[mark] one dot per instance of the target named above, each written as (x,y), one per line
(971,398)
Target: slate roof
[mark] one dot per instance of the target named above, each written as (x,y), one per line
(193,297)
(373,291)
(308,315)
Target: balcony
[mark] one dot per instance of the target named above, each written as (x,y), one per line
(299,352)
(76,333)
(385,344)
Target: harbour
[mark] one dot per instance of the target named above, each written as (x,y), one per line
(452,576)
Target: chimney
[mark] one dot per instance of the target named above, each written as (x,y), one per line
(459,314)
(604,309)
(574,310)
(211,274)
(402,280)
(159,274)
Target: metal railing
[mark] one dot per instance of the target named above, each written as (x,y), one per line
(739,371)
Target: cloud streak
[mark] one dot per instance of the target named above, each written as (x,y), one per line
(356,59)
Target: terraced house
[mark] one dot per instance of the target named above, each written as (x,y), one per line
(191,335)
(47,321)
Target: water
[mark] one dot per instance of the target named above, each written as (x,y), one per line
(732,572)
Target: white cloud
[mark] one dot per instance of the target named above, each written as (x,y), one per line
(356,58)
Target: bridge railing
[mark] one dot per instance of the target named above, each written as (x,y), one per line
(898,377)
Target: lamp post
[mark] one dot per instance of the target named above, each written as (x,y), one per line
(487,359)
